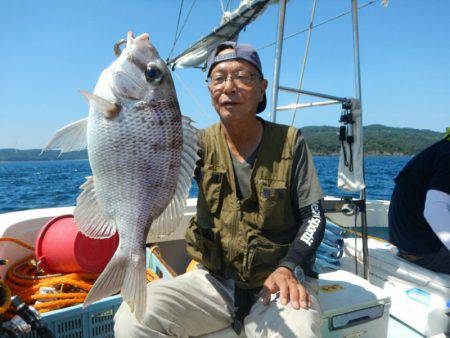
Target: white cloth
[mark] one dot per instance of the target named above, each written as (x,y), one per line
(196,304)
(353,180)
(437,214)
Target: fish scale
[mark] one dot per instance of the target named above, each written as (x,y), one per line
(151,170)
(142,152)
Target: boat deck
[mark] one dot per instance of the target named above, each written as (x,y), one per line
(26,224)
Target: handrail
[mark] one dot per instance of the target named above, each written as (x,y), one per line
(321,95)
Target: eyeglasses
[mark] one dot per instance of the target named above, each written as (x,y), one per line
(239,78)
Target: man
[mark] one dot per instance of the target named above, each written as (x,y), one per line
(419,213)
(259,222)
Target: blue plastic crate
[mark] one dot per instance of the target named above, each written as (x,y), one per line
(97,320)
(76,322)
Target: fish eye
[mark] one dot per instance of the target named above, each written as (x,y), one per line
(153,73)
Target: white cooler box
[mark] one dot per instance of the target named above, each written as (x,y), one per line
(419,296)
(352,307)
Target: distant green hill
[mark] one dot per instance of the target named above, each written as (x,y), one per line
(378,140)
(322,140)
(34,155)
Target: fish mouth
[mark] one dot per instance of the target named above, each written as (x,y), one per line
(140,50)
(141,41)
(143,37)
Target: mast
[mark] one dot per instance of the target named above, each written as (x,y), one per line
(362,193)
(361,203)
(278,50)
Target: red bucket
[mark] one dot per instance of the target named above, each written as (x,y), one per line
(60,248)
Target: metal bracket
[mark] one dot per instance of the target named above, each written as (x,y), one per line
(346,205)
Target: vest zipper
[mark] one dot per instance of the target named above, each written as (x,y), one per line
(234,228)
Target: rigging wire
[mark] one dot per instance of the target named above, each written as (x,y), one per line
(199,105)
(186,19)
(176,30)
(320,24)
(305,58)
(222,6)
(227,7)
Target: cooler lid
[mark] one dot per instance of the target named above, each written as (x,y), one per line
(341,292)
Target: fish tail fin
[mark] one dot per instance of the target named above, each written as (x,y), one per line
(110,280)
(125,275)
(134,289)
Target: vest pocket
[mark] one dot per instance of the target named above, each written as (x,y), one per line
(261,259)
(272,197)
(212,182)
(203,245)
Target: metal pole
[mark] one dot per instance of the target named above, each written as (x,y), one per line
(307,105)
(356,49)
(278,50)
(306,92)
(362,194)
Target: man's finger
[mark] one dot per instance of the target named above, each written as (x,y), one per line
(284,291)
(271,286)
(303,296)
(294,295)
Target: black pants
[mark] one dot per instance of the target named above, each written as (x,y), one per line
(437,261)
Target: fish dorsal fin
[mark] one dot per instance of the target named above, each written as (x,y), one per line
(170,218)
(69,138)
(88,216)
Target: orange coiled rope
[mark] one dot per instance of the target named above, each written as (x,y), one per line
(18,242)
(24,280)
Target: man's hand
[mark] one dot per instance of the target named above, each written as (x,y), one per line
(283,280)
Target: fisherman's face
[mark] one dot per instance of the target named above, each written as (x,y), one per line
(236,99)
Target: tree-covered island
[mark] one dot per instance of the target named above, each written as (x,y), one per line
(322,140)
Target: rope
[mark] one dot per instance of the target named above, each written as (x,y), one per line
(320,24)
(25,280)
(18,242)
(357,232)
(368,236)
(305,58)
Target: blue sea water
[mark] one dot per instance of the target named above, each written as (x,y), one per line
(44,184)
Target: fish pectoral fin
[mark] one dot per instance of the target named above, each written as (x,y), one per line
(170,218)
(109,109)
(69,138)
(88,216)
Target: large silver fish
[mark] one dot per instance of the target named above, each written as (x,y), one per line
(142,152)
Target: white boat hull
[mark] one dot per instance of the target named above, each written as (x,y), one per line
(419,296)
(25,225)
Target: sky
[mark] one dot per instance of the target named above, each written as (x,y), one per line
(50,49)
